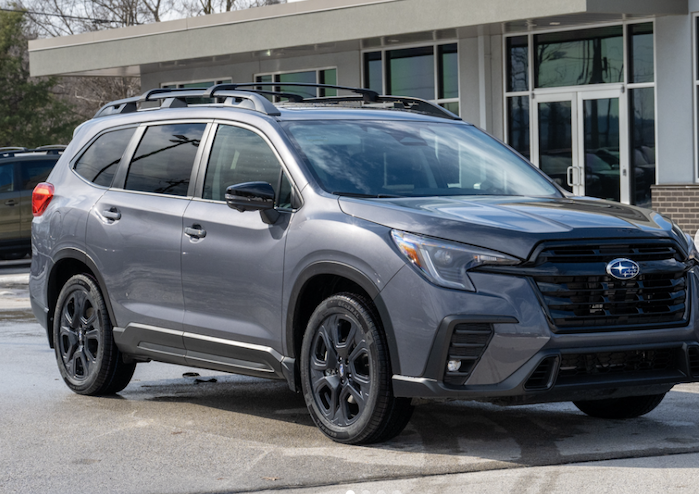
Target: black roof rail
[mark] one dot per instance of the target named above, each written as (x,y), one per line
(250,95)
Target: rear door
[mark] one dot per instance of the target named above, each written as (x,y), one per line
(135,232)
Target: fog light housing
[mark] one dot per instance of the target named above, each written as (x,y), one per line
(453,365)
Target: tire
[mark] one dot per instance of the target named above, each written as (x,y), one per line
(620,408)
(346,373)
(88,359)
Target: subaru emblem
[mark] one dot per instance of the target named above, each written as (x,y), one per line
(623,269)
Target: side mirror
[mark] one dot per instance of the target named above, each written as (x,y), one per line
(253,196)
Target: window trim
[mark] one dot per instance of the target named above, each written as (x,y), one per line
(435,52)
(695,95)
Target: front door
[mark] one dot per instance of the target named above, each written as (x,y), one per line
(581,142)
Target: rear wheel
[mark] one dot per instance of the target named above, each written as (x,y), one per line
(620,408)
(345,374)
(88,359)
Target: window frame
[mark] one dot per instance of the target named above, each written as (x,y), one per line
(695,93)
(435,53)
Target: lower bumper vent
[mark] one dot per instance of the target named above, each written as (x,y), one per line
(542,377)
(693,354)
(606,366)
(468,342)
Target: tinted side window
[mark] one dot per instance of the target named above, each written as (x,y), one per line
(7,177)
(238,156)
(164,159)
(34,172)
(100,162)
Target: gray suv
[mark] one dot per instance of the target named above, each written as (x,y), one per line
(366,249)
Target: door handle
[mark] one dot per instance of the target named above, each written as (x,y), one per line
(195,231)
(10,202)
(112,214)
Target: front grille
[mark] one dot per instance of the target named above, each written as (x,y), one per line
(468,342)
(580,295)
(603,366)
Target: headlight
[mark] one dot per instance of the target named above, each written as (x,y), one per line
(447,263)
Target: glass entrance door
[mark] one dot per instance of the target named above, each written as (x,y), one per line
(581,142)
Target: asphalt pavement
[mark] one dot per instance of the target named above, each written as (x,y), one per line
(184,430)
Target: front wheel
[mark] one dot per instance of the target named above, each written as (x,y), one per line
(620,408)
(346,374)
(88,359)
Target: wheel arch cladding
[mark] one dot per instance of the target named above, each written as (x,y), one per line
(67,264)
(320,281)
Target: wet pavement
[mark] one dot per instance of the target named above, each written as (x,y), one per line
(173,432)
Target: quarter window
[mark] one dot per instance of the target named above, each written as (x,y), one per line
(101,160)
(163,161)
(238,156)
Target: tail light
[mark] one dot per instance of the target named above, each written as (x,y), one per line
(41,197)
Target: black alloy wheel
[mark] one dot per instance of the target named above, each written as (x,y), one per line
(345,374)
(88,359)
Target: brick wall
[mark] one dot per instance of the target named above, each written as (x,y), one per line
(679,202)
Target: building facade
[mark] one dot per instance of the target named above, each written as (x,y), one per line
(600,94)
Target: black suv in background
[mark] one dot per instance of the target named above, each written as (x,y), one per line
(21,169)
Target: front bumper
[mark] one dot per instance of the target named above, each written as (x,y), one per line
(522,360)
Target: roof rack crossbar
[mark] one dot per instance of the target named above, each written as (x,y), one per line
(413,104)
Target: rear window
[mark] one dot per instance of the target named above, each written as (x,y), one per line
(100,162)
(35,172)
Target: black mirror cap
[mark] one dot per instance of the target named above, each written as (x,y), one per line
(250,196)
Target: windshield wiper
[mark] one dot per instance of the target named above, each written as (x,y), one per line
(367,196)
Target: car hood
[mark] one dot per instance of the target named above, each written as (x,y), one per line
(513,225)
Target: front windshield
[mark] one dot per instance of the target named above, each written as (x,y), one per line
(412,159)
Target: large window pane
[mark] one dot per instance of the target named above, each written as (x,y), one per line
(411,72)
(642,133)
(556,141)
(518,124)
(518,63)
(601,148)
(572,58)
(448,72)
(373,72)
(641,66)
(309,77)
(164,159)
